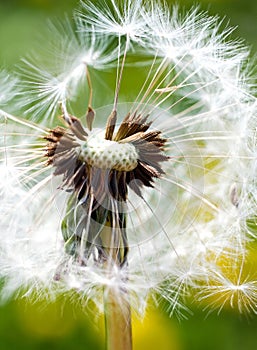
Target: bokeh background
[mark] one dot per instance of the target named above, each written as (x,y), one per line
(61,326)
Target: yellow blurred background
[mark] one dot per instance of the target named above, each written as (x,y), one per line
(61,326)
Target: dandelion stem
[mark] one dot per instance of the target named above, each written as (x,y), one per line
(117,319)
(117,308)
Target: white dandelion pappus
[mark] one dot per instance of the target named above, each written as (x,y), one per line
(54,77)
(151,199)
(232,289)
(122,18)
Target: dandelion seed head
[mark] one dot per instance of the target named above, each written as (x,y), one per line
(151,197)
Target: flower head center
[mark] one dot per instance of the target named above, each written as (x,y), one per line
(105,154)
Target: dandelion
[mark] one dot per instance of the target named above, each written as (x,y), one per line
(150,194)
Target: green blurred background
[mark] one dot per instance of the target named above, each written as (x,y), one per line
(59,325)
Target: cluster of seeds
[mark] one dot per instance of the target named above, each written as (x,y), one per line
(105,154)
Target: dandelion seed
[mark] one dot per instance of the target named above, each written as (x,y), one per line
(121,19)
(55,82)
(132,199)
(232,289)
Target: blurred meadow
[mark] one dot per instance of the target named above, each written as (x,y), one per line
(59,325)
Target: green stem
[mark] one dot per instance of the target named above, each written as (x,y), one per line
(116,298)
(117,320)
